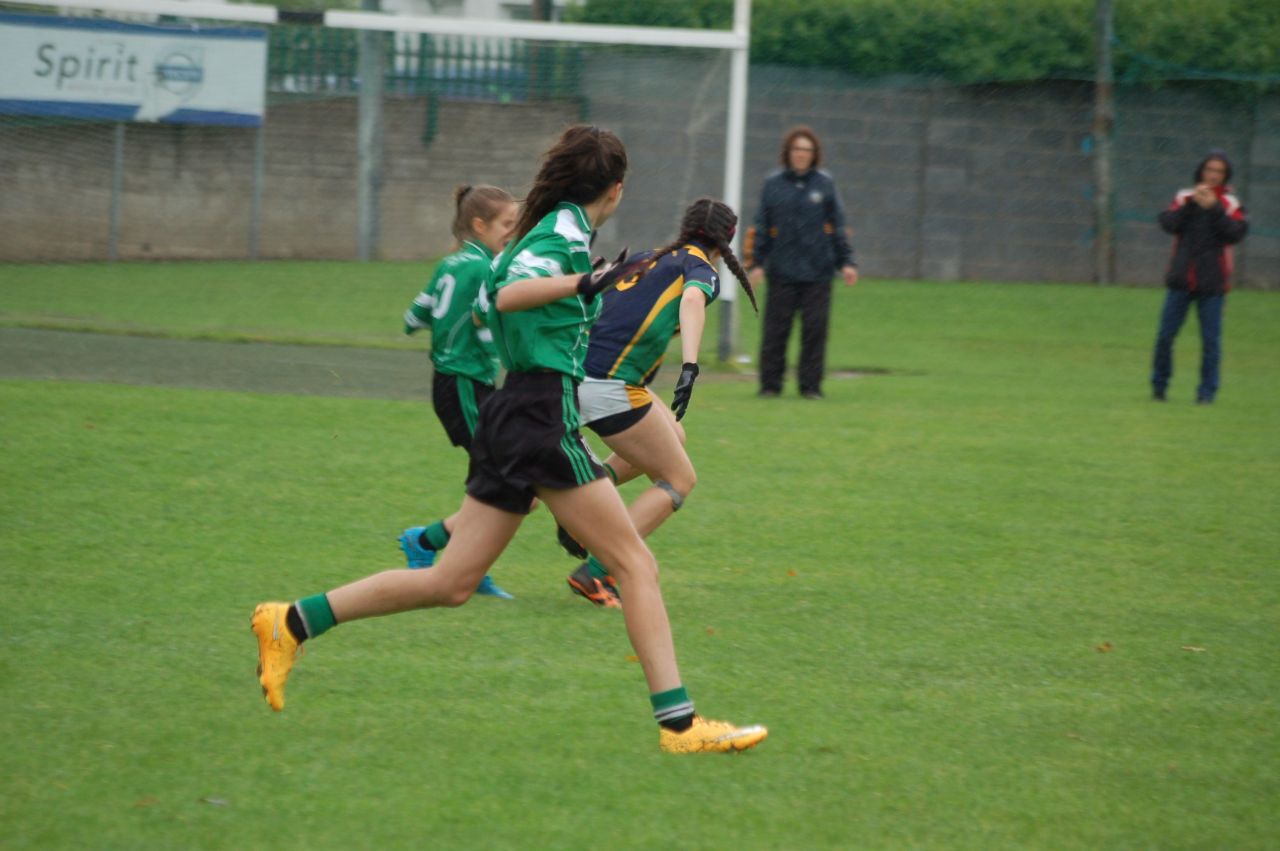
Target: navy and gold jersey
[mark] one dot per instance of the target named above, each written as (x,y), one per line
(642,314)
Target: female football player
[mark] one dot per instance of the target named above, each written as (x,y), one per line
(464,360)
(539,304)
(628,344)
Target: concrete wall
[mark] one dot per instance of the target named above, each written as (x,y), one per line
(187,190)
(941,182)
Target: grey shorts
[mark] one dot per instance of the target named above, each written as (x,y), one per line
(610,405)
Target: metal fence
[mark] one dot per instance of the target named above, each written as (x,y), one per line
(320,60)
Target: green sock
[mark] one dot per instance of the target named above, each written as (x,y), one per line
(317,616)
(596,568)
(613,474)
(435,535)
(673,708)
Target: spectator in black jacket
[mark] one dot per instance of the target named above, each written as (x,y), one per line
(1205,220)
(798,242)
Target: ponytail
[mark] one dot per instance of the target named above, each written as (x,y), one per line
(580,167)
(476,202)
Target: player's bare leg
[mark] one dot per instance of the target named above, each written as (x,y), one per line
(623,470)
(596,516)
(652,446)
(655,447)
(595,513)
(481,533)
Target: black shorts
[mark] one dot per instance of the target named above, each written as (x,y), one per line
(617,423)
(528,438)
(457,402)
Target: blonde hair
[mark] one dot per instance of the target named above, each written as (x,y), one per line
(481,202)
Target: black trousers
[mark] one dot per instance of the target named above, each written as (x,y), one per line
(813,301)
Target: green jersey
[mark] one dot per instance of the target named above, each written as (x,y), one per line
(553,336)
(444,306)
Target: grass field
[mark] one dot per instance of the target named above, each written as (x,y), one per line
(986,595)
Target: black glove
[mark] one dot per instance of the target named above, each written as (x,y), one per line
(605,276)
(684,389)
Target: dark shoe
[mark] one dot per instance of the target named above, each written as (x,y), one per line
(604,594)
(1204,400)
(570,544)
(768,394)
(812,394)
(1158,396)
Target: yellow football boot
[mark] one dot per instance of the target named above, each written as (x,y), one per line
(706,736)
(277,648)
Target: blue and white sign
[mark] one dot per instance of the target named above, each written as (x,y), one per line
(106,70)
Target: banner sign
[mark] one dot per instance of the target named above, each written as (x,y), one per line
(107,70)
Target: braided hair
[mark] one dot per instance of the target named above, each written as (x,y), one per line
(713,223)
(579,168)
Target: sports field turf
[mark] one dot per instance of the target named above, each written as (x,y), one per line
(986,595)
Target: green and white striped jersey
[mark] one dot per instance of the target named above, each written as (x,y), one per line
(552,336)
(445,306)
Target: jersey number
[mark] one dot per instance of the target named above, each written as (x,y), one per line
(444,295)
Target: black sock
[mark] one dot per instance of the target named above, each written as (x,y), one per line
(678,725)
(293,620)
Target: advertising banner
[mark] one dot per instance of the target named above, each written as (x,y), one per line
(107,70)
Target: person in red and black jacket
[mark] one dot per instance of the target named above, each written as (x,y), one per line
(1205,220)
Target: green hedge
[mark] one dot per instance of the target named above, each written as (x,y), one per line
(980,40)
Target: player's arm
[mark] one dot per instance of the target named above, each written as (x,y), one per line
(693,317)
(528,293)
(418,316)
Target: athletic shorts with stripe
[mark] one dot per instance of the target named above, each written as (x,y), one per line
(528,438)
(610,405)
(457,400)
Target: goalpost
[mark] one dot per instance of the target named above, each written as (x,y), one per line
(735,42)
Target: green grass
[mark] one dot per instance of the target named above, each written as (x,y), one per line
(910,583)
(332,303)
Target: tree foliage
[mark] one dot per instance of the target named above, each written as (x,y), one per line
(978,40)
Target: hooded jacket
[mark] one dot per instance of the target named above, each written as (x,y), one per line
(1201,260)
(799,234)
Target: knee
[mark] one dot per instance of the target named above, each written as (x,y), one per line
(636,565)
(451,598)
(677,488)
(450,588)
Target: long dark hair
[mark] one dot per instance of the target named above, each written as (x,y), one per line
(482,202)
(712,223)
(579,168)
